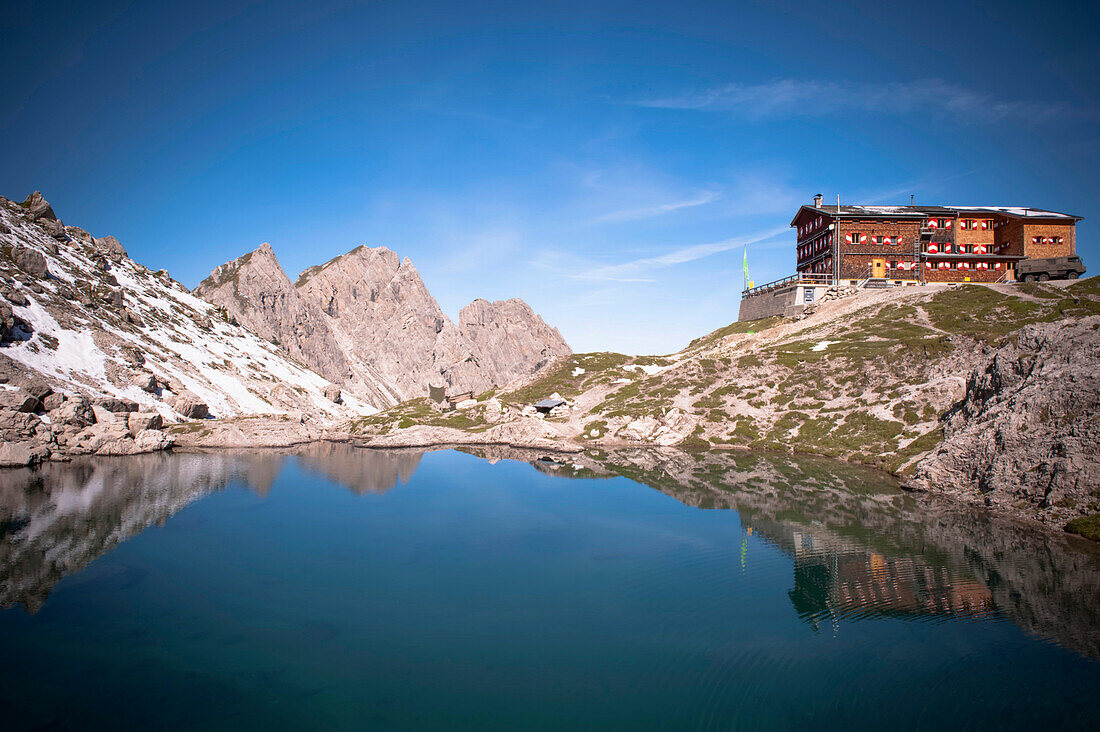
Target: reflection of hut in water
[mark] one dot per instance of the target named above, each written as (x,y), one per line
(835,578)
(867,584)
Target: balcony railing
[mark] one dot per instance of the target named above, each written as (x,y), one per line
(797,279)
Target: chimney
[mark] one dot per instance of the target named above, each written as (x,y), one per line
(817,201)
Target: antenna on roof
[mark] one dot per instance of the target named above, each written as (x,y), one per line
(910,199)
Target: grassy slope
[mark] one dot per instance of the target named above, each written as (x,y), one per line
(860,397)
(874,394)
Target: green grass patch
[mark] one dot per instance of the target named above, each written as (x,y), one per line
(420,412)
(747,326)
(1086,526)
(563,378)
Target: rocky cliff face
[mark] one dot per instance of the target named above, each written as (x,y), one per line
(1025,435)
(255,291)
(389,324)
(398,340)
(508,339)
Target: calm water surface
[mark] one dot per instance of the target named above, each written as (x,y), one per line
(336,588)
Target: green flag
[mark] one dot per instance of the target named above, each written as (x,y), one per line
(746,262)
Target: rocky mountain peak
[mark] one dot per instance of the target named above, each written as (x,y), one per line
(509,338)
(39,207)
(389,323)
(254,290)
(372,307)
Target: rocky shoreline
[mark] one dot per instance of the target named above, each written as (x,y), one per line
(74,426)
(38,425)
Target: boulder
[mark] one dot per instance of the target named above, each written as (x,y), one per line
(22,454)
(102,438)
(190,406)
(140,421)
(116,405)
(133,355)
(18,426)
(19,401)
(133,318)
(53,401)
(15,297)
(114,299)
(7,320)
(75,232)
(111,248)
(38,207)
(37,389)
(106,416)
(146,382)
(54,229)
(152,441)
(332,393)
(76,411)
(30,260)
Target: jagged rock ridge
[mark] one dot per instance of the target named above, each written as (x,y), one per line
(509,339)
(367,318)
(254,289)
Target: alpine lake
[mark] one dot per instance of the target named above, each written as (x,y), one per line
(334,587)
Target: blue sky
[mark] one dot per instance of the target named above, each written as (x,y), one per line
(604,161)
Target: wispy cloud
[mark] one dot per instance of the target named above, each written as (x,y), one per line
(811,98)
(634,271)
(645,212)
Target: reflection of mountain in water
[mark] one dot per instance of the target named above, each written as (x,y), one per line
(863,548)
(860,546)
(58,518)
(358,469)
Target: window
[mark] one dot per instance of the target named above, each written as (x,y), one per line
(968,224)
(893,264)
(954,265)
(878,240)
